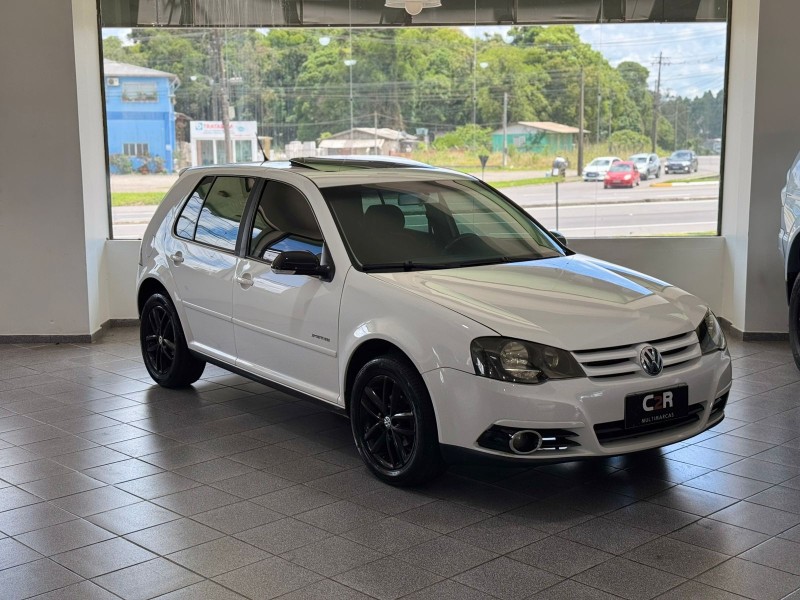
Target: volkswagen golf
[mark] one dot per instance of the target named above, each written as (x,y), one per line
(438,315)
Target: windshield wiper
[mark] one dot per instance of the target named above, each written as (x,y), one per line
(408,265)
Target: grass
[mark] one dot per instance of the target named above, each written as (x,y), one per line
(530,181)
(699,179)
(136,198)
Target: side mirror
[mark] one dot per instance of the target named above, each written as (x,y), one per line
(559,236)
(300,262)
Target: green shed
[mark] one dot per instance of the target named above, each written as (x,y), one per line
(542,137)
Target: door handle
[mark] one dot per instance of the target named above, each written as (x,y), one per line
(177,258)
(246,280)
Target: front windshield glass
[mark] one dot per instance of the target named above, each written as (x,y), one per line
(681,156)
(599,163)
(433,225)
(640,159)
(618,168)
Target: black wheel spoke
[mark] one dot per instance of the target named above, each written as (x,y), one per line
(373,396)
(391,449)
(153,319)
(380,443)
(404,432)
(372,430)
(367,405)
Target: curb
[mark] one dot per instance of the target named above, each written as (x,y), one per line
(682,183)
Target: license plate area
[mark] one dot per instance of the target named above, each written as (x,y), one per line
(646,409)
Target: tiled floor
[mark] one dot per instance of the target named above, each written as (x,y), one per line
(111,487)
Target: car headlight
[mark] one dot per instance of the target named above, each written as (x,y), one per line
(709,332)
(627,177)
(518,361)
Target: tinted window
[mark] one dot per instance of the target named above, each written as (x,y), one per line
(618,167)
(187,222)
(283,221)
(218,224)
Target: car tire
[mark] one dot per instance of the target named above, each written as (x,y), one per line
(794,321)
(605,186)
(658,174)
(393,422)
(164,350)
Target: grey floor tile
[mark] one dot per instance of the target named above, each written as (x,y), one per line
(103,557)
(572,590)
(85,590)
(147,580)
(550,517)
(64,536)
(218,556)
(61,485)
(195,500)
(327,589)
(674,556)
(173,536)
(214,470)
(762,470)
(120,471)
(161,484)
(13,497)
(501,534)
(90,458)
(387,579)
(719,536)
(779,497)
(34,578)
(448,590)
(791,534)
(390,535)
(31,471)
(12,553)
(304,469)
(205,590)
(133,517)
(628,579)
(235,518)
(507,578)
(294,500)
(340,516)
(693,590)
(392,500)
(268,579)
(651,517)
(445,556)
(692,500)
(31,517)
(727,484)
(281,536)
(763,519)
(332,556)
(443,516)
(355,482)
(777,553)
(751,580)
(560,556)
(252,484)
(608,536)
(177,457)
(95,501)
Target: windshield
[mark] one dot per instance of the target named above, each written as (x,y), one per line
(620,167)
(418,225)
(640,159)
(681,156)
(597,162)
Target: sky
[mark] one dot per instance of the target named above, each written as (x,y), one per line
(693,54)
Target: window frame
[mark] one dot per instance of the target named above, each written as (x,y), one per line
(138,84)
(237,246)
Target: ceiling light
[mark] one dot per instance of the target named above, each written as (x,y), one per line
(413,7)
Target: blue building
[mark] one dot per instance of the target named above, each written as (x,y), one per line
(140,117)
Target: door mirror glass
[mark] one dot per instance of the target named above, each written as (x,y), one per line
(299,262)
(559,236)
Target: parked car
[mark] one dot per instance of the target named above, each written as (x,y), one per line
(682,161)
(597,169)
(648,165)
(789,244)
(621,174)
(426,306)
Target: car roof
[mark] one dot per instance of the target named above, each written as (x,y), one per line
(606,158)
(327,171)
(642,155)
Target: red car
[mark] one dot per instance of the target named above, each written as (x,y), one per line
(622,174)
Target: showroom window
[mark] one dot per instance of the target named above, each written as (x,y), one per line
(542,90)
(139,92)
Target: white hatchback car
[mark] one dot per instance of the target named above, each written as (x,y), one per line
(432,310)
(597,169)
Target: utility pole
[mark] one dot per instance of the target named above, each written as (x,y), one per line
(656,101)
(375,114)
(676,124)
(225,107)
(599,108)
(505,127)
(580,127)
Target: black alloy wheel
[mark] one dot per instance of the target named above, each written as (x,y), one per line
(393,422)
(794,321)
(164,350)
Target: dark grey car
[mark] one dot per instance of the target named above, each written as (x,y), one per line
(681,161)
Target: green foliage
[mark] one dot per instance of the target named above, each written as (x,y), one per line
(466,137)
(121,163)
(626,141)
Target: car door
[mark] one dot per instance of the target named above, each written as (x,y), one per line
(202,259)
(286,326)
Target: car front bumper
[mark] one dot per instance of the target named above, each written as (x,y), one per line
(466,406)
(679,168)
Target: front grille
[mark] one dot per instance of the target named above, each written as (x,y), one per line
(621,361)
(615,430)
(553,440)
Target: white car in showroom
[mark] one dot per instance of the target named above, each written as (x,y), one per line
(597,169)
(433,311)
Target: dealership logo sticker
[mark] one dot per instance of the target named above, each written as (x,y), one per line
(651,361)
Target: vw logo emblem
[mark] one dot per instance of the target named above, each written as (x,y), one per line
(651,361)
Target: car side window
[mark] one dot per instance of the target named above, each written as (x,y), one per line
(284,220)
(218,223)
(187,221)
(795,180)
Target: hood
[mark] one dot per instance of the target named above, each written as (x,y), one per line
(572,302)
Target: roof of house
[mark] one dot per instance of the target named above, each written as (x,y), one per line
(382,132)
(548,126)
(113,68)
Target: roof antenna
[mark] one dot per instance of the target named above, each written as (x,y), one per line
(260,147)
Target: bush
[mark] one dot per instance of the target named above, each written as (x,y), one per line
(626,141)
(466,137)
(121,164)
